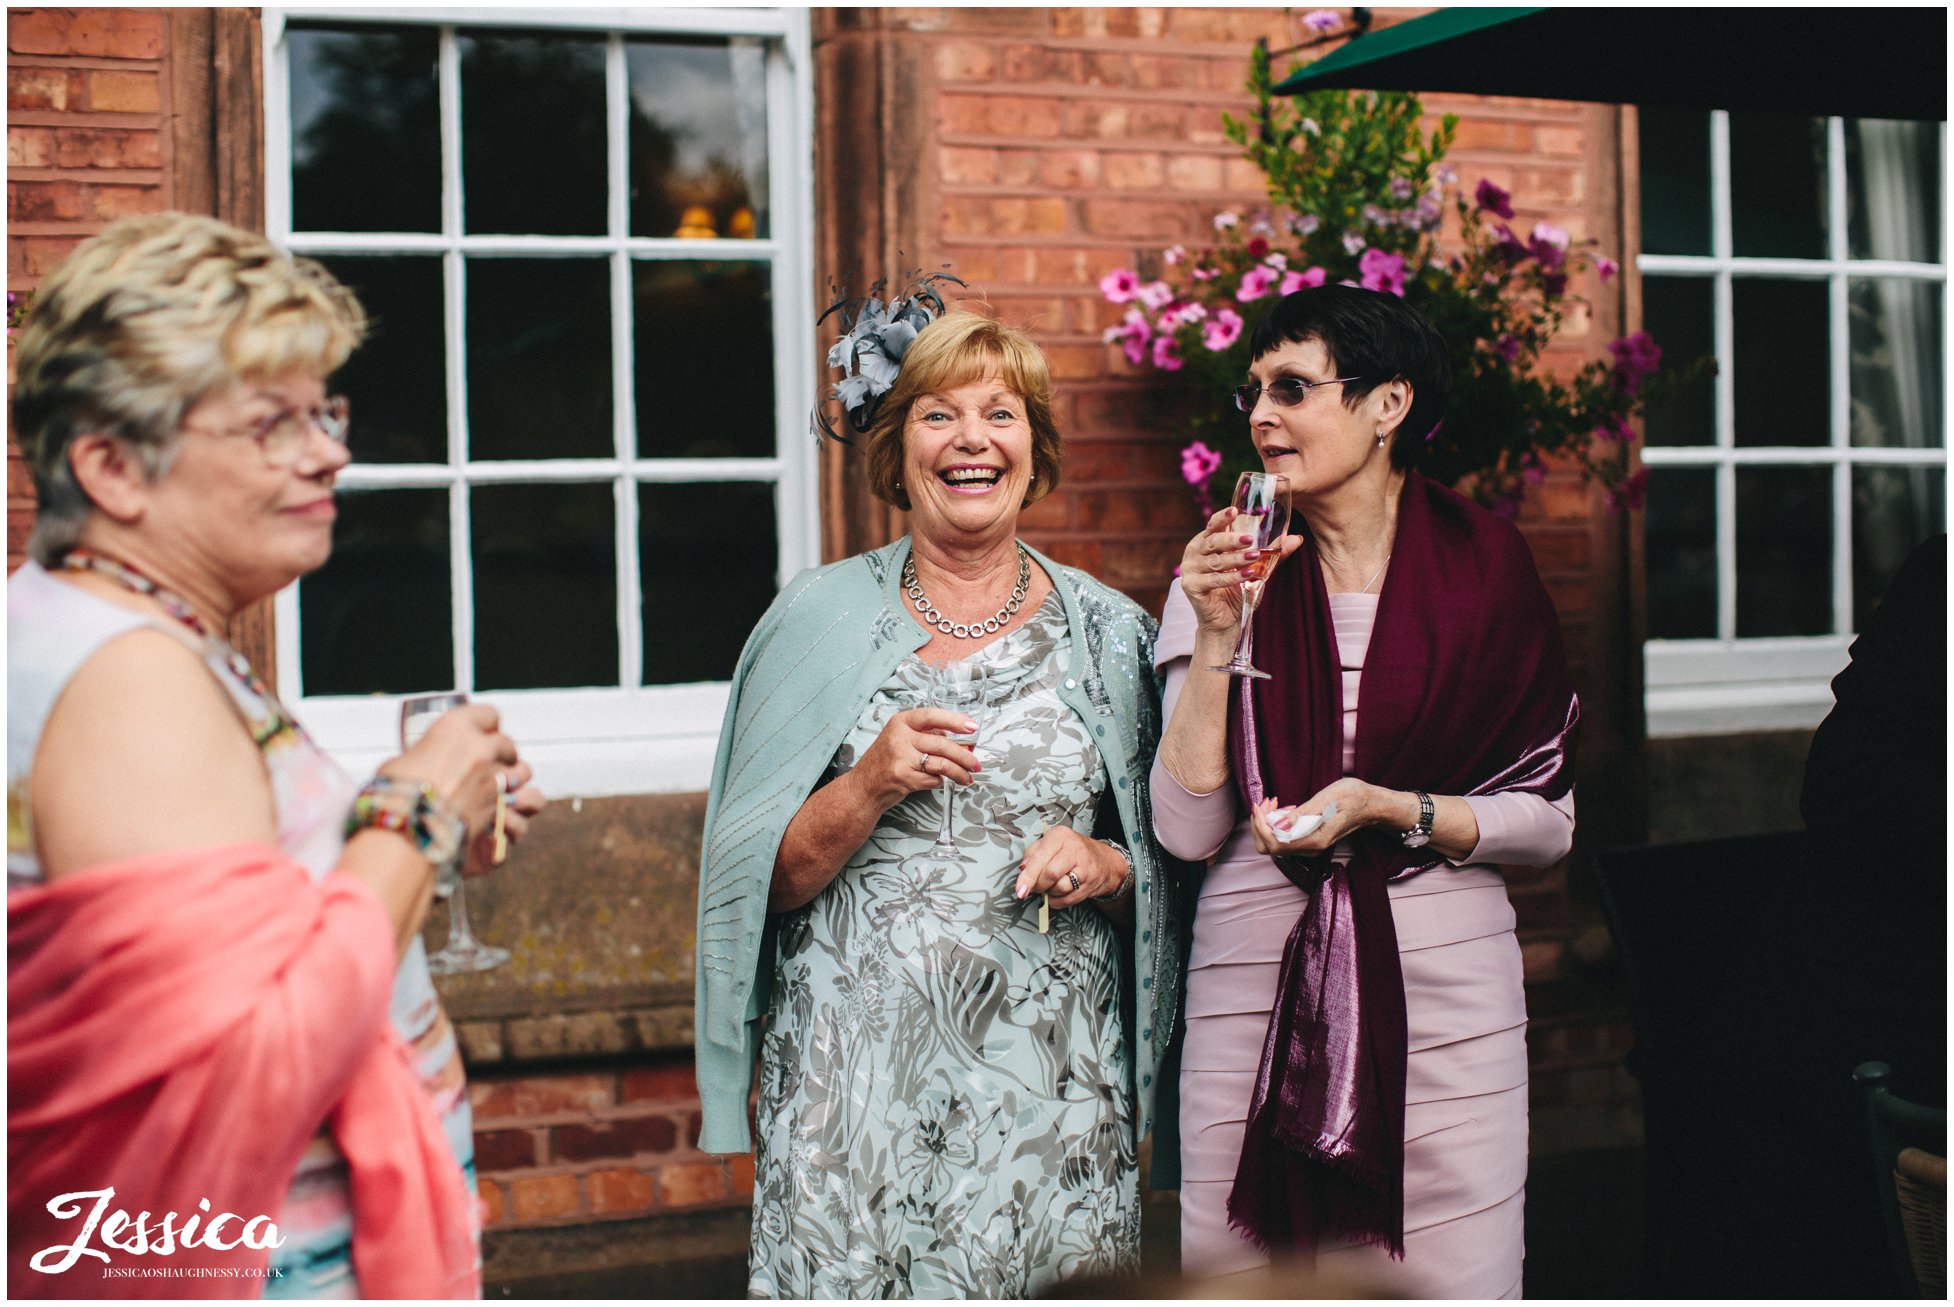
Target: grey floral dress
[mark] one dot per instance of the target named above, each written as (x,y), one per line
(944,1106)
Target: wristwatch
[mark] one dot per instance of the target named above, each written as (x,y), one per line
(1420,834)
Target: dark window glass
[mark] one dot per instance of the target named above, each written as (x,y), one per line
(1784,551)
(695,626)
(1777,186)
(532,134)
(1893,198)
(545,586)
(1675,162)
(1893,509)
(1681,547)
(704,342)
(366,129)
(1677,311)
(539,358)
(378,618)
(698,137)
(1894,334)
(1782,369)
(397,380)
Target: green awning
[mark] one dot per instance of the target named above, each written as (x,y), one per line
(1819,60)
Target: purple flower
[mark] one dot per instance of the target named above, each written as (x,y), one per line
(1508,248)
(1636,358)
(1400,188)
(1445,174)
(1256,283)
(1426,215)
(1222,330)
(1633,492)
(1606,267)
(1382,271)
(1295,281)
(1199,463)
(1615,427)
(1322,20)
(1173,255)
(1257,247)
(1206,274)
(1352,242)
(1378,217)
(1496,200)
(1166,354)
(1120,285)
(1548,243)
(1554,285)
(1155,295)
(1533,468)
(1306,224)
(1226,219)
(1507,347)
(1133,335)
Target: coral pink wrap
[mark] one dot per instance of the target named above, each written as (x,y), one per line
(179,1026)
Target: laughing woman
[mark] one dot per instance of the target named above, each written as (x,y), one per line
(953,1084)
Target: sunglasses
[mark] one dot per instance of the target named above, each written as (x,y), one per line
(1287,392)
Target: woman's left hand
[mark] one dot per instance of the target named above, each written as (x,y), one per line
(1058,855)
(522,805)
(1358,804)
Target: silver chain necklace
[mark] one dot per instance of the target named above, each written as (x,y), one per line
(990,625)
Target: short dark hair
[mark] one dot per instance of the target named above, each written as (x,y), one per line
(1372,335)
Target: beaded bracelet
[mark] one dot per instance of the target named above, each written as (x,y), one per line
(1126,882)
(414,809)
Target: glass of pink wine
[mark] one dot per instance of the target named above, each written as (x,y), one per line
(1262,513)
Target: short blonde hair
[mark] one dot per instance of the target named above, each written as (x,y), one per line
(145,321)
(958,348)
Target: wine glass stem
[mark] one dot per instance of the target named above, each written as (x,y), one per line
(459,935)
(1241,640)
(943,836)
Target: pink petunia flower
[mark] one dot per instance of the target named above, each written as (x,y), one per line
(1606,267)
(1382,271)
(1548,243)
(1633,492)
(1226,219)
(1636,358)
(1295,281)
(1222,330)
(1120,285)
(1167,355)
(1155,295)
(1133,335)
(1206,274)
(1507,347)
(1198,463)
(1322,20)
(1256,283)
(1173,255)
(1494,199)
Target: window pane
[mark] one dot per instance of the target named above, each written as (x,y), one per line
(378,618)
(1895,341)
(1782,370)
(1893,183)
(1893,509)
(532,134)
(1784,551)
(1675,158)
(698,137)
(1677,311)
(545,586)
(697,399)
(1777,186)
(397,380)
(539,358)
(366,129)
(1680,529)
(695,632)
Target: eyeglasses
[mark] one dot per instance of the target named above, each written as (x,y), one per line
(282,436)
(1287,392)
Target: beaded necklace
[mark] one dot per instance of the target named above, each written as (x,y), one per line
(82,559)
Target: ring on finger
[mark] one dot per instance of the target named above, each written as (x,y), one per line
(1076,882)
(923,763)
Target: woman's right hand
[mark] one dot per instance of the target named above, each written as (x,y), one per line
(464,756)
(915,752)
(1213,570)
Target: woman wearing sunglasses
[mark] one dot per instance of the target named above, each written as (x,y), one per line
(219,1018)
(1354,1073)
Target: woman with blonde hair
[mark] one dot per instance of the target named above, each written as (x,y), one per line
(219,1011)
(959,1052)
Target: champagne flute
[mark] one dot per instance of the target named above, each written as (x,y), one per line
(958,687)
(463,952)
(1262,504)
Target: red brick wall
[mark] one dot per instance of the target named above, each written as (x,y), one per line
(87,143)
(574,1148)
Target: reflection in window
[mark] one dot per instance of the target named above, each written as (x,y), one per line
(1681,533)
(397,380)
(1777,186)
(704,359)
(366,129)
(377,618)
(1784,551)
(1895,333)
(539,358)
(1782,370)
(698,138)
(695,625)
(545,586)
(532,134)
(1893,189)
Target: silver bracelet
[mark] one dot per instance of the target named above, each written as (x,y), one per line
(1126,883)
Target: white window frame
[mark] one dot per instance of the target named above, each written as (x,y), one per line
(626,739)
(1728,685)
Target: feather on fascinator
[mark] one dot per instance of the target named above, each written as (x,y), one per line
(875,334)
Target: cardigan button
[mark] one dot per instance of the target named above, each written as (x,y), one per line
(1071,684)
(1100,729)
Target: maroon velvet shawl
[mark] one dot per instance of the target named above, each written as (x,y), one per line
(1464,691)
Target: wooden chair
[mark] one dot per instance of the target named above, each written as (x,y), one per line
(1909,1152)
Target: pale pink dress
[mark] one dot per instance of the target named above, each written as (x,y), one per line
(1466,1081)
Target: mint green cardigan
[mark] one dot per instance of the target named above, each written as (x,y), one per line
(830,638)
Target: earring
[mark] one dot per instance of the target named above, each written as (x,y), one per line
(1380,438)
(898,485)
